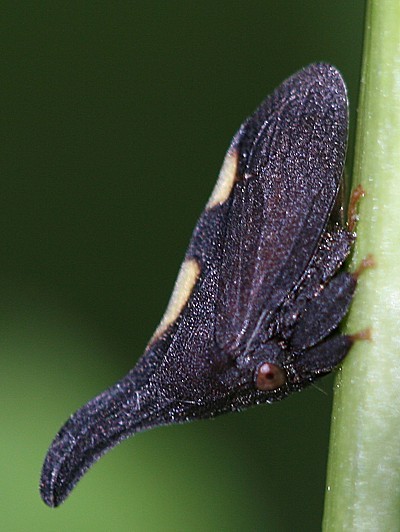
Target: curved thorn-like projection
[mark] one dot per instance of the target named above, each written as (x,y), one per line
(97,427)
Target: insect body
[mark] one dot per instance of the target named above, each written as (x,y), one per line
(259,296)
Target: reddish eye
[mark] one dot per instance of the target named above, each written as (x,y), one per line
(270,377)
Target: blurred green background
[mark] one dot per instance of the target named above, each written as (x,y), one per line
(115,117)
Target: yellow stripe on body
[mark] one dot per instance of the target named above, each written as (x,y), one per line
(184,284)
(226,179)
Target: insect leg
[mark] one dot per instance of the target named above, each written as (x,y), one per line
(323,358)
(323,314)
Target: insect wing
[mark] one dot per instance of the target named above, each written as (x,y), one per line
(290,162)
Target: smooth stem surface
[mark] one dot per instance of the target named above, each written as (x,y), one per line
(363,486)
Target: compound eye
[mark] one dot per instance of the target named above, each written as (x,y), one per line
(270,377)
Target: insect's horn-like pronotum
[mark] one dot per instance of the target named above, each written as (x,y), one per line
(93,430)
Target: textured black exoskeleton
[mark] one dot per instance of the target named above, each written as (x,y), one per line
(258,299)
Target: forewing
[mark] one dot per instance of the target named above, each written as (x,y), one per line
(290,161)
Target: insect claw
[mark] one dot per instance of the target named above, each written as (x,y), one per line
(365,334)
(352,216)
(366,263)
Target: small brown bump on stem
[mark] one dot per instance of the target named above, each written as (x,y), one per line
(366,263)
(352,216)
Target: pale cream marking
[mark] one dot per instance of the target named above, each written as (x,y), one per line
(226,179)
(184,284)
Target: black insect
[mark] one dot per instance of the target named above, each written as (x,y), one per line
(258,299)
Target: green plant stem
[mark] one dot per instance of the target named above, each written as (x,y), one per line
(363,486)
